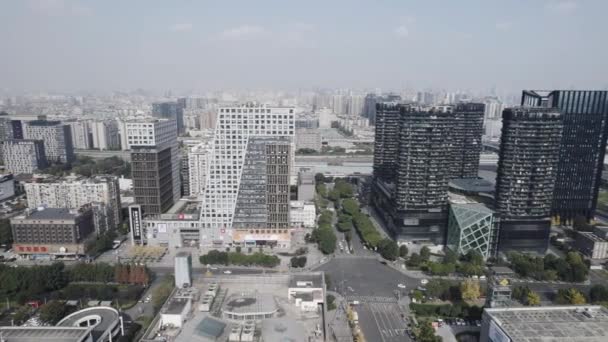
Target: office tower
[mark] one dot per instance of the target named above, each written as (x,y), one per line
(525,182)
(386,144)
(6,128)
(247,186)
(105,135)
(183,270)
(80,134)
(17,129)
(75,191)
(466,139)
(170,110)
(198,167)
(57,139)
(369,108)
(52,231)
(154,163)
(582,148)
(23,156)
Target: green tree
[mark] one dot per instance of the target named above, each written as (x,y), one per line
(321,190)
(388,249)
(350,206)
(532,299)
(6,234)
(470,290)
(344,189)
(327,241)
(52,312)
(598,294)
(403,251)
(425,253)
(331,302)
(450,257)
(319,178)
(414,260)
(570,296)
(334,195)
(345,223)
(426,333)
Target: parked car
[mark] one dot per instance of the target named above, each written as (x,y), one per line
(227,272)
(424,281)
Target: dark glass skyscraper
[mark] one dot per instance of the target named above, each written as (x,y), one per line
(386,142)
(582,148)
(527,170)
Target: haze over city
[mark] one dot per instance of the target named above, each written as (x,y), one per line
(195,46)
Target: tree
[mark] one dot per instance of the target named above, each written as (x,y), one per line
(598,294)
(344,189)
(532,299)
(6,234)
(403,251)
(388,249)
(425,253)
(334,195)
(470,290)
(319,178)
(450,257)
(426,333)
(350,206)
(321,190)
(52,312)
(414,260)
(474,257)
(331,305)
(327,240)
(570,296)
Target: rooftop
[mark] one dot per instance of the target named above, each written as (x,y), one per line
(210,327)
(244,303)
(175,306)
(49,334)
(109,317)
(50,214)
(312,280)
(552,323)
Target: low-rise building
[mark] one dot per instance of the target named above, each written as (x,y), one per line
(472,227)
(175,312)
(591,245)
(55,232)
(307,138)
(307,291)
(546,323)
(306,186)
(302,214)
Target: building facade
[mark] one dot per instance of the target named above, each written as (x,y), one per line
(105,135)
(582,148)
(23,156)
(308,138)
(154,163)
(246,198)
(386,144)
(57,232)
(198,168)
(170,110)
(57,139)
(76,191)
(466,139)
(80,130)
(591,245)
(525,182)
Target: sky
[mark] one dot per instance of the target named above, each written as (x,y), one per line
(71,45)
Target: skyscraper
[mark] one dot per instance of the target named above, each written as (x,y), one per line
(23,156)
(154,163)
(170,110)
(466,139)
(246,198)
(525,182)
(386,144)
(582,148)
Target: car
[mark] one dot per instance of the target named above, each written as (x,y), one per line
(213,268)
(227,272)
(424,281)
(401,286)
(483,277)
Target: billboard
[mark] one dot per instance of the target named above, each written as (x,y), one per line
(135,223)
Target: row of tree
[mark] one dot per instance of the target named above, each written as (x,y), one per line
(88,166)
(236,258)
(106,273)
(573,268)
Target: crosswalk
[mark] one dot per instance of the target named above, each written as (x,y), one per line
(371,299)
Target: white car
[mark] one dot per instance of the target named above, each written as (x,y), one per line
(424,281)
(227,272)
(401,286)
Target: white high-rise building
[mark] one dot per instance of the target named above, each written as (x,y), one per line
(249,164)
(23,156)
(57,138)
(493,109)
(338,104)
(198,165)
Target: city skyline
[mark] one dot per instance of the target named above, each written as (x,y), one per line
(189,47)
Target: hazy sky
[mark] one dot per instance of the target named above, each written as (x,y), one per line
(204,45)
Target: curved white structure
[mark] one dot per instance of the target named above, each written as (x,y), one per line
(105,322)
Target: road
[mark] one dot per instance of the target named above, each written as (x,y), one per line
(382,322)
